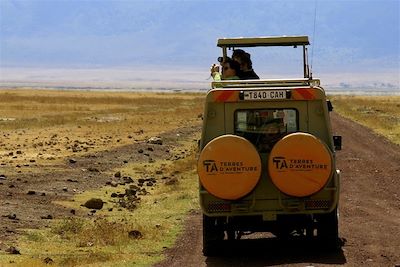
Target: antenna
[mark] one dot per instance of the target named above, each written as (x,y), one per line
(313,37)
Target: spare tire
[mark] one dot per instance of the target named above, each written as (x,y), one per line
(300,164)
(229,167)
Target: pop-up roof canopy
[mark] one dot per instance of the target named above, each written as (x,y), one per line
(228,43)
(264,41)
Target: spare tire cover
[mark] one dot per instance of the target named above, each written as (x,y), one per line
(229,167)
(300,164)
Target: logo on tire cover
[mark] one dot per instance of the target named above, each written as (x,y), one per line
(213,167)
(282,164)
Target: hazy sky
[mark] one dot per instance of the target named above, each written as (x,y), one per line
(350,36)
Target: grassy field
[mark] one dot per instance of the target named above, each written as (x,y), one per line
(105,120)
(380,113)
(31,118)
(30,121)
(104,241)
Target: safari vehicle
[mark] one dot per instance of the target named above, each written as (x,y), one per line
(267,160)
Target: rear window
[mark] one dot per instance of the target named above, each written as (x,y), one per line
(264,127)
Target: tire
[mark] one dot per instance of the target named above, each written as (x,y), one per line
(213,235)
(328,229)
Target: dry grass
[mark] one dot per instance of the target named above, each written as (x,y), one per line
(29,119)
(107,120)
(380,113)
(104,240)
(57,119)
(41,109)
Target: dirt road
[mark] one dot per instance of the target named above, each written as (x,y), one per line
(369,215)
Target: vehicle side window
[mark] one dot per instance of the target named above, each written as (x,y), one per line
(264,127)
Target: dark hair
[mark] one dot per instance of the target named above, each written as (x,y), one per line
(233,65)
(239,53)
(245,57)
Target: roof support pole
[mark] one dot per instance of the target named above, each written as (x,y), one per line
(305,61)
(224,53)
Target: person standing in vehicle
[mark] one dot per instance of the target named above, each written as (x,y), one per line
(230,70)
(246,66)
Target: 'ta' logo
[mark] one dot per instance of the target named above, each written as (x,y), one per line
(279,162)
(210,165)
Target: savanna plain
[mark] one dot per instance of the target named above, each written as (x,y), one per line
(108,178)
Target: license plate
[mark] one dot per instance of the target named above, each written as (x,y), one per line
(264,95)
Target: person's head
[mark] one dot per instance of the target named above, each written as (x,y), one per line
(230,68)
(243,58)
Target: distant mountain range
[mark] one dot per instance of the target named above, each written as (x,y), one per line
(184,79)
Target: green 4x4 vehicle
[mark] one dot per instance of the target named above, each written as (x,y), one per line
(267,160)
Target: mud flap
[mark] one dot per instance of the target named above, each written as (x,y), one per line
(213,235)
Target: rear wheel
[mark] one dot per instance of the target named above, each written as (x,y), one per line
(328,229)
(213,234)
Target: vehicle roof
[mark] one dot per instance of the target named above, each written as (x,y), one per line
(263,41)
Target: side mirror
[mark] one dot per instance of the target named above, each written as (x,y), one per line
(337,142)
